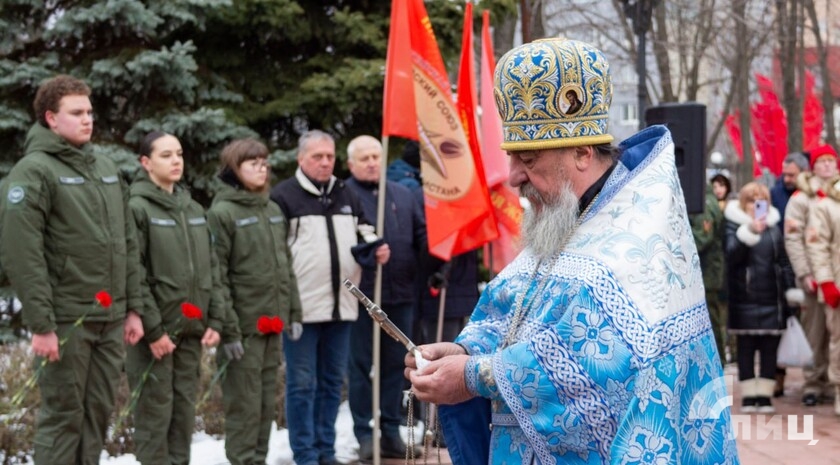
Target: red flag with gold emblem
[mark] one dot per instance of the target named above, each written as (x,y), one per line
(459,216)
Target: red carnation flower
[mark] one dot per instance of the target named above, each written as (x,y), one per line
(264,325)
(103,299)
(277,325)
(190,311)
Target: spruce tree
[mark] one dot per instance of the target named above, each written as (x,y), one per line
(142,72)
(312,65)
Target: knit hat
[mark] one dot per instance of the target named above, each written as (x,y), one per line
(553,93)
(823,150)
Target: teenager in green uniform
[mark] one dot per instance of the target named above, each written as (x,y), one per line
(256,270)
(175,249)
(68,235)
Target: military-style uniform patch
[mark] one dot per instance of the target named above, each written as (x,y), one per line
(16,194)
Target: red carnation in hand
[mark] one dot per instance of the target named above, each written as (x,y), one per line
(277,325)
(103,299)
(264,325)
(269,325)
(190,311)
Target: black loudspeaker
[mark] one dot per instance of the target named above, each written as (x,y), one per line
(687,123)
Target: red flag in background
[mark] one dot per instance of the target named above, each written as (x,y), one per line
(733,127)
(495,160)
(459,217)
(506,206)
(812,115)
(769,126)
(398,115)
(467,99)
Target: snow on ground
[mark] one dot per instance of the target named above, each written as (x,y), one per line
(207,450)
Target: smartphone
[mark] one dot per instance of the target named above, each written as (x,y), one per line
(760,209)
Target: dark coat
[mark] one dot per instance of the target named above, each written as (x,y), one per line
(462,272)
(758,273)
(405,234)
(255,264)
(176,253)
(779,196)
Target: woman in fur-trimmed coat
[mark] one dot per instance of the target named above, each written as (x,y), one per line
(759,274)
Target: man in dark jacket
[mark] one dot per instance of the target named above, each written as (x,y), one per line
(405,234)
(785,186)
(70,251)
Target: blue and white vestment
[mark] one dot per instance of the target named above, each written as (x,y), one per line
(615,361)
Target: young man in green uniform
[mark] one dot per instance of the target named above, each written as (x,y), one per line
(260,286)
(68,235)
(175,250)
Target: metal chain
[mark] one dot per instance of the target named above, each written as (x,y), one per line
(409,449)
(410,459)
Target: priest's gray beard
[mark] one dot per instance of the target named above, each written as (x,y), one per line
(549,222)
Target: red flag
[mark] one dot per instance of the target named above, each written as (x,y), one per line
(733,127)
(458,212)
(466,89)
(495,161)
(734,130)
(506,206)
(769,126)
(398,115)
(812,115)
(485,224)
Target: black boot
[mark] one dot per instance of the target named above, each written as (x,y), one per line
(779,389)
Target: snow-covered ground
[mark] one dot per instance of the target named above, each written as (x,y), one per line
(207,450)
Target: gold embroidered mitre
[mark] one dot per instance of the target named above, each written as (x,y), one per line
(553,93)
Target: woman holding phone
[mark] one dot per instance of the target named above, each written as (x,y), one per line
(759,275)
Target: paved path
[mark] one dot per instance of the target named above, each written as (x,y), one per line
(757,444)
(784,438)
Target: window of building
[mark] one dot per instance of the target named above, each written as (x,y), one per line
(629,114)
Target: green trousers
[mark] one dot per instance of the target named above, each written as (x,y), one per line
(717,315)
(249,390)
(164,415)
(77,394)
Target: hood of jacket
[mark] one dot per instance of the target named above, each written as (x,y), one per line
(809,184)
(399,169)
(240,196)
(735,214)
(144,187)
(41,139)
(833,188)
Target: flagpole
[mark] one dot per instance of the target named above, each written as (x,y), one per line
(377,297)
(431,428)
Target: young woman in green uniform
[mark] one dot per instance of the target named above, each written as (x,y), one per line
(261,296)
(181,274)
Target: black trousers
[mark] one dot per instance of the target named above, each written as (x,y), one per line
(767,346)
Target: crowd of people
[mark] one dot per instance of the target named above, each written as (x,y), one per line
(776,245)
(594,346)
(258,271)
